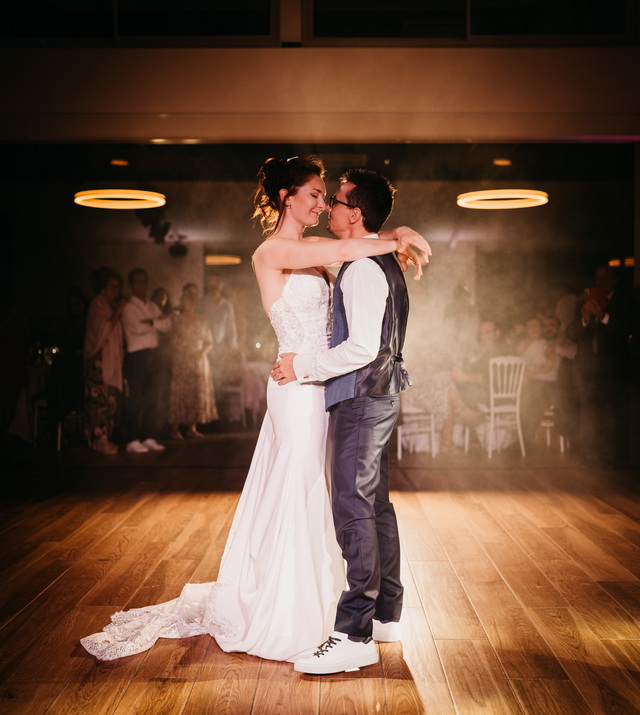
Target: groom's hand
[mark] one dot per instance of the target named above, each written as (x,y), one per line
(283,371)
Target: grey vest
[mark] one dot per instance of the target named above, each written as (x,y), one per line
(385,374)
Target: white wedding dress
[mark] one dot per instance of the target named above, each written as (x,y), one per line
(282,572)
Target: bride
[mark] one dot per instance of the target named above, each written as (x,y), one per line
(281,571)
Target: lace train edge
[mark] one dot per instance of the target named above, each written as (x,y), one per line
(134,631)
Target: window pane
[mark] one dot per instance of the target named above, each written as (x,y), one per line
(547,17)
(380,18)
(193,18)
(72,19)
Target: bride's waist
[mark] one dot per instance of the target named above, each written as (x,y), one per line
(306,347)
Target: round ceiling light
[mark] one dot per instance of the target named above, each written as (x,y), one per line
(502,199)
(120,199)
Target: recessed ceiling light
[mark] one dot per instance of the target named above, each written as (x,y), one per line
(502,162)
(221,259)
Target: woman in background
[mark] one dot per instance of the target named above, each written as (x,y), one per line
(103,356)
(191,395)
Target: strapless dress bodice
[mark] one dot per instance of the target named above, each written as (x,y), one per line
(301,317)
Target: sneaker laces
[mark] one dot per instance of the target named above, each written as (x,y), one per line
(326,646)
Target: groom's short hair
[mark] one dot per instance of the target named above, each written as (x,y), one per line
(372,194)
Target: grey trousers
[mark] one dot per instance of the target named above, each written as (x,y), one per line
(364,518)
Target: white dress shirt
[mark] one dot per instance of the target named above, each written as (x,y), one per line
(365,291)
(140,335)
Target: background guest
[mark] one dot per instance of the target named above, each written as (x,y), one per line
(220,315)
(161,298)
(472,374)
(191,399)
(103,354)
(143,321)
(602,332)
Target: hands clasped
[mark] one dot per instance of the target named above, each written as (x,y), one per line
(413,248)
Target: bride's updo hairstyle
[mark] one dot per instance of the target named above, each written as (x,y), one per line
(277,174)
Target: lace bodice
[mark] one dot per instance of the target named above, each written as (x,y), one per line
(301,317)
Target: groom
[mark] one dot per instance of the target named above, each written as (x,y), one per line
(364,373)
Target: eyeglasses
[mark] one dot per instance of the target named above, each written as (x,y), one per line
(333,201)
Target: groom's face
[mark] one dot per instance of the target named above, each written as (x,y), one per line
(339,214)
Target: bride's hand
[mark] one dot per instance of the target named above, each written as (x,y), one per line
(408,237)
(407,256)
(412,248)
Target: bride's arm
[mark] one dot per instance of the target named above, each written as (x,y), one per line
(283,253)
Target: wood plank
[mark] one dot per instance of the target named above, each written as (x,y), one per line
(551,697)
(478,683)
(58,656)
(523,577)
(407,505)
(515,567)
(413,665)
(69,522)
(627,653)
(591,523)
(355,696)
(30,626)
(531,539)
(445,603)
(164,583)
(411,597)
(594,671)
(598,564)
(98,691)
(419,540)
(26,585)
(226,683)
(281,689)
(627,594)
(521,650)
(601,611)
(154,696)
(179,658)
(28,698)
(124,579)
(460,544)
(401,691)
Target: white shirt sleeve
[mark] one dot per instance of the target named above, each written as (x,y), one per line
(365,291)
(132,317)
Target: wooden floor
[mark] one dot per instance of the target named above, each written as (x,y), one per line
(522,588)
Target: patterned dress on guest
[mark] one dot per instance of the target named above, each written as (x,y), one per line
(191,397)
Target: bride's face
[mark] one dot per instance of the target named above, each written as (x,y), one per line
(308,203)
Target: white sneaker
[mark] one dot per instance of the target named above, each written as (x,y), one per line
(338,654)
(386,632)
(136,446)
(153,446)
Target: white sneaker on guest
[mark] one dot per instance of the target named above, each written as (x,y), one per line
(386,632)
(136,446)
(338,654)
(153,446)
